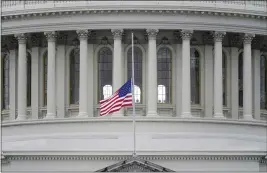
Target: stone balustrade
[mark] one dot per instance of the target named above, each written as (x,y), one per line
(14,7)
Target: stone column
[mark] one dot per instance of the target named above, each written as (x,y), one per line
(256,82)
(83,103)
(247,77)
(152,73)
(186,91)
(22,77)
(218,94)
(51,75)
(118,79)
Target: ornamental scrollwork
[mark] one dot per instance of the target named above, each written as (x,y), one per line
(22,38)
(152,33)
(218,36)
(117,33)
(248,38)
(51,36)
(186,34)
(83,34)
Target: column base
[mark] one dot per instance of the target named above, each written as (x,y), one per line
(82,115)
(152,114)
(186,115)
(218,115)
(248,117)
(50,116)
(21,117)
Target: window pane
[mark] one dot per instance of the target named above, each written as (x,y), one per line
(195,76)
(45,78)
(240,79)
(137,94)
(5,82)
(104,70)
(29,78)
(107,91)
(137,70)
(74,76)
(164,75)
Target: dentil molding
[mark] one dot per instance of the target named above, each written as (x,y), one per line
(7,159)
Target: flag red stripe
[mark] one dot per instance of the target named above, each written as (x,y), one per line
(107,106)
(115,104)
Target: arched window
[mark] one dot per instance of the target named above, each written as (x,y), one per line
(5,82)
(164,66)
(104,70)
(74,76)
(240,79)
(29,78)
(161,94)
(195,76)
(137,94)
(263,82)
(107,91)
(224,75)
(138,70)
(45,78)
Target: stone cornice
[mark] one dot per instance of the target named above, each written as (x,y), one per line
(20,16)
(256,158)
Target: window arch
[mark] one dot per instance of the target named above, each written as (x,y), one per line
(29,78)
(74,76)
(138,71)
(5,81)
(105,61)
(240,79)
(45,78)
(224,76)
(263,82)
(164,68)
(195,76)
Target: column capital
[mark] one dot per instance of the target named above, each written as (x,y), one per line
(22,38)
(152,33)
(186,34)
(248,38)
(218,36)
(117,33)
(51,36)
(83,34)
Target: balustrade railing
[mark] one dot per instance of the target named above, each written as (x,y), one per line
(8,5)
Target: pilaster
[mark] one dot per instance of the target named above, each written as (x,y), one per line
(256,83)
(13,84)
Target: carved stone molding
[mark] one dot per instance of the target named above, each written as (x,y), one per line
(123,157)
(186,34)
(248,38)
(218,36)
(83,34)
(117,33)
(22,38)
(51,36)
(152,33)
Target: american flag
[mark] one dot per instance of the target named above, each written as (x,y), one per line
(121,98)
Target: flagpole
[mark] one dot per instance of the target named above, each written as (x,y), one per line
(134,146)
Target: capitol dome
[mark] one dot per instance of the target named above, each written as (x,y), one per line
(200,85)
